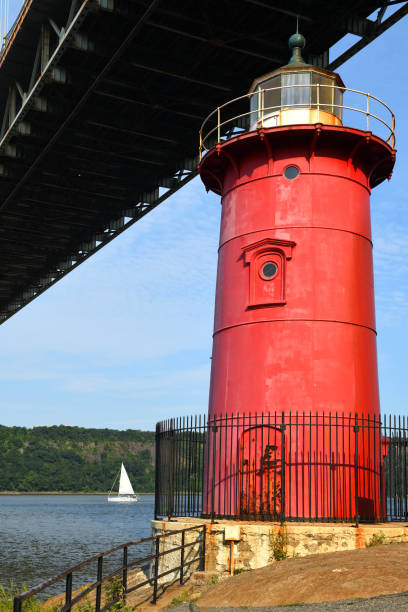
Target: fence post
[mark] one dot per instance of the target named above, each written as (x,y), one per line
(214,430)
(68,591)
(183,533)
(283,486)
(125,571)
(171,473)
(99,587)
(356,429)
(157,488)
(156,568)
(17,604)
(204,540)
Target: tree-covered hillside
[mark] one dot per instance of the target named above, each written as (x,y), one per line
(62,458)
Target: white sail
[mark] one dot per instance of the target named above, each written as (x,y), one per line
(125,486)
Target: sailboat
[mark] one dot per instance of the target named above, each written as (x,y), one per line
(126,492)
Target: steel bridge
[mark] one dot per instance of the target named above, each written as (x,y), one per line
(101,102)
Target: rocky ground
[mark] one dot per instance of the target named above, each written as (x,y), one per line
(372,578)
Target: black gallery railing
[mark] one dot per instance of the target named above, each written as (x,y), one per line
(299,467)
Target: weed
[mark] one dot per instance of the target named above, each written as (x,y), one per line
(214,580)
(184,597)
(86,607)
(280,544)
(290,605)
(239,570)
(377,539)
(114,590)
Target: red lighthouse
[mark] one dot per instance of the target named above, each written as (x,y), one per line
(294,328)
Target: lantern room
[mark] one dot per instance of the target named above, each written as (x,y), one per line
(297,93)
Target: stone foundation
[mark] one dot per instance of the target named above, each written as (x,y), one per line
(252,545)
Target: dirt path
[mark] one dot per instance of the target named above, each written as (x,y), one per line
(385,603)
(330,577)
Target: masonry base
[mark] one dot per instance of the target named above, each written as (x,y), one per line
(234,546)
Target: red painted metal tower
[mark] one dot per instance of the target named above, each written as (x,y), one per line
(294,328)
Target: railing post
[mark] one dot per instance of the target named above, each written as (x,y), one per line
(99,587)
(259,103)
(356,429)
(68,591)
(17,604)
(156,568)
(318,100)
(263,107)
(183,533)
(393,131)
(218,124)
(125,571)
(368,111)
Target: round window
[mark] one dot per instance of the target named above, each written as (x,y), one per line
(291,172)
(269,270)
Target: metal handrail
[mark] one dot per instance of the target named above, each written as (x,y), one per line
(263,112)
(67,574)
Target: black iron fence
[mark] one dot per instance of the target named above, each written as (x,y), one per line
(179,558)
(299,467)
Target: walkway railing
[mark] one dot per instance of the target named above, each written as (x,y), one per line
(252,111)
(297,467)
(150,562)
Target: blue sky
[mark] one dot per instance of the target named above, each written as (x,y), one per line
(125,339)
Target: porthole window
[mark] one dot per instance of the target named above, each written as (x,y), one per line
(291,172)
(269,270)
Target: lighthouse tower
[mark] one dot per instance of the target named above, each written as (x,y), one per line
(294,326)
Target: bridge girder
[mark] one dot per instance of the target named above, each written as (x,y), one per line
(100,105)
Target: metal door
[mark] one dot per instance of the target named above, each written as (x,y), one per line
(261,472)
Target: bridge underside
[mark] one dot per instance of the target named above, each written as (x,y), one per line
(101,102)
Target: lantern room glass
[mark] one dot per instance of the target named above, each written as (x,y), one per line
(296,89)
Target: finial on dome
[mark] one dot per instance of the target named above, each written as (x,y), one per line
(296,43)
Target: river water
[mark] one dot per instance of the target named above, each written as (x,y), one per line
(43,535)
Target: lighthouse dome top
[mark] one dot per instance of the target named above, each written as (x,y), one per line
(296,43)
(292,93)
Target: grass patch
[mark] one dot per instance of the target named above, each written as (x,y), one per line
(7,594)
(184,597)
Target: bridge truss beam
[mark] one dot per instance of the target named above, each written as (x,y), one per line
(100,104)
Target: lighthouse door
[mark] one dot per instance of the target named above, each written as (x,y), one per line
(261,472)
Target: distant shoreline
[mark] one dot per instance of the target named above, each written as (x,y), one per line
(64,493)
